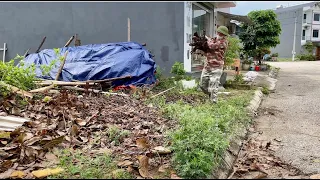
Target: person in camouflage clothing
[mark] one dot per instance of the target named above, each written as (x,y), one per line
(213,66)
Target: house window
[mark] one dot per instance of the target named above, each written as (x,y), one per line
(315,33)
(304,16)
(200,22)
(316,17)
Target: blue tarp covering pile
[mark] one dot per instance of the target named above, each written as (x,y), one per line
(98,62)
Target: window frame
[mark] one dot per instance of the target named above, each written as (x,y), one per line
(314,17)
(313,31)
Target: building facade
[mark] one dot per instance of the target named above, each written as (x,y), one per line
(165,27)
(307,20)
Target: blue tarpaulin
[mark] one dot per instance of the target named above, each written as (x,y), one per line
(98,62)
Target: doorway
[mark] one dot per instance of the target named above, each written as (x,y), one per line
(318,53)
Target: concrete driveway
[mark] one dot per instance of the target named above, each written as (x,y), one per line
(295,120)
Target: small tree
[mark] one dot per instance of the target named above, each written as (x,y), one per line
(309,47)
(233,50)
(262,32)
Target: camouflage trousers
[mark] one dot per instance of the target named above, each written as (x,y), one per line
(210,81)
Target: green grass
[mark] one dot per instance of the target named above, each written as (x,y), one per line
(78,165)
(204,131)
(286,59)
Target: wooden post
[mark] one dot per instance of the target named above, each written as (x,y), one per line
(38,50)
(61,66)
(77,41)
(69,41)
(128,29)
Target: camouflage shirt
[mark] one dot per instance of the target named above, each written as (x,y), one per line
(215,56)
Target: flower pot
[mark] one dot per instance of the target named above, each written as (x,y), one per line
(223,78)
(263,67)
(189,84)
(274,58)
(257,68)
(245,67)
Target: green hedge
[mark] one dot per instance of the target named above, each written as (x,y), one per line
(307,57)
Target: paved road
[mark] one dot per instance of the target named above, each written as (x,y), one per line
(297,121)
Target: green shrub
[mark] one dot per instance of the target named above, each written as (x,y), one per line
(20,77)
(233,50)
(178,70)
(275,55)
(306,57)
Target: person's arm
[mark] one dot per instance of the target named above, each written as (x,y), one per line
(217,44)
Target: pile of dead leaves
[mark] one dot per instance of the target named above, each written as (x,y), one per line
(257,161)
(88,122)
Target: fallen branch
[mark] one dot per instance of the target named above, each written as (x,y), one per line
(61,66)
(161,92)
(110,79)
(80,83)
(43,89)
(93,90)
(14,89)
(61,83)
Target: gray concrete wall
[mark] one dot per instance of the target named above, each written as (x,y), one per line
(159,24)
(286,19)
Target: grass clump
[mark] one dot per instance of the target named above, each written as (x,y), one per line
(204,132)
(78,165)
(265,90)
(115,134)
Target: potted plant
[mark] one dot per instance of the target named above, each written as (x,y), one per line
(181,77)
(263,66)
(274,56)
(246,65)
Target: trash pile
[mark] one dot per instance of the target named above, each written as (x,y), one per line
(94,122)
(250,76)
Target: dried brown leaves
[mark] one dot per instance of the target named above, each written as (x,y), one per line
(72,121)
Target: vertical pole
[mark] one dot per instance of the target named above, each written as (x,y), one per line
(4,52)
(294,39)
(128,29)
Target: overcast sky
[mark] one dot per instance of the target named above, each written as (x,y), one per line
(244,7)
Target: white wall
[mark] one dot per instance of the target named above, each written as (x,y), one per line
(226,10)
(313,25)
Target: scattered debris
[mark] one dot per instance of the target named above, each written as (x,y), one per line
(256,160)
(66,121)
(46,172)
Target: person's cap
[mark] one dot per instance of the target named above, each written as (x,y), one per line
(223,30)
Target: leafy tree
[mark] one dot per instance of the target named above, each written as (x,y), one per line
(262,33)
(233,50)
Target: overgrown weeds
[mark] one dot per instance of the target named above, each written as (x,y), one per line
(22,78)
(204,131)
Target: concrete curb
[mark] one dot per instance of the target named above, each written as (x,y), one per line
(236,143)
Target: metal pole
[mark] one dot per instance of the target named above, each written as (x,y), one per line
(4,52)
(294,39)
(128,29)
